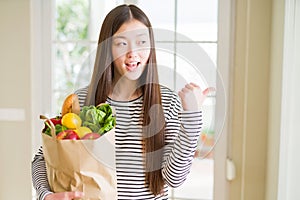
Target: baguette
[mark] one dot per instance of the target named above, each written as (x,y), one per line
(71,104)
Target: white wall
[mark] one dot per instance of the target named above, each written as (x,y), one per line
(289,174)
(15,130)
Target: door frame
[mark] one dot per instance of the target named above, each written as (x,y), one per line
(224,63)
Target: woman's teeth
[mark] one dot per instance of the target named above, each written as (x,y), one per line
(132,66)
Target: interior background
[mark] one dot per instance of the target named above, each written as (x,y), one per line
(256,99)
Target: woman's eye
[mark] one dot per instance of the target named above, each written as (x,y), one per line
(142,42)
(120,43)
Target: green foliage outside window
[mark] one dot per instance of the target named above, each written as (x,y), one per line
(71,19)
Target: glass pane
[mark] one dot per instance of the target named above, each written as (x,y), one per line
(211,50)
(165,64)
(71,19)
(197,19)
(70,61)
(98,11)
(196,63)
(161,15)
(199,183)
(201,71)
(207,139)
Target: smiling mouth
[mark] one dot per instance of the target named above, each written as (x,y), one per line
(132,66)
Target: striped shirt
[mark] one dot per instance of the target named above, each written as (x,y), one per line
(181,135)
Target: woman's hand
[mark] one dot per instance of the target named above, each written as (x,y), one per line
(192,97)
(64,196)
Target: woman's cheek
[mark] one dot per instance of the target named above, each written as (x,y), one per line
(145,56)
(118,52)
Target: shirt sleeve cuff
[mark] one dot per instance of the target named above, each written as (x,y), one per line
(44,194)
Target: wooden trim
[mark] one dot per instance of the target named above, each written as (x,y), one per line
(250,98)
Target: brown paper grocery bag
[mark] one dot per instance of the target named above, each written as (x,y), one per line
(82,165)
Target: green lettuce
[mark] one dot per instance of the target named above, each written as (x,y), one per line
(99,118)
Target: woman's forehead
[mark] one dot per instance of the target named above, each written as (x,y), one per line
(133,28)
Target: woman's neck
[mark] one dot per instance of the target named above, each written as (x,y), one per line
(125,90)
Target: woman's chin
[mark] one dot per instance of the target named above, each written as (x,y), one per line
(133,76)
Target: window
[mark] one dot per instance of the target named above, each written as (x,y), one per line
(179,26)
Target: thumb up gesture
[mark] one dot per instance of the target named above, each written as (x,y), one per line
(192,96)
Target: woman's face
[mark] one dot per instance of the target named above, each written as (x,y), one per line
(130,50)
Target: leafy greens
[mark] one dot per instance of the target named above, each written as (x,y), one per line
(99,119)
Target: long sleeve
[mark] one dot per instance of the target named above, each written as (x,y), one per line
(39,175)
(183,129)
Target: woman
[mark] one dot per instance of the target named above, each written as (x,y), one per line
(156,133)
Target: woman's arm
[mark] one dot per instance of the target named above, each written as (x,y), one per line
(182,135)
(39,175)
(183,129)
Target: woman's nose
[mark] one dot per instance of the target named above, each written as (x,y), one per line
(132,52)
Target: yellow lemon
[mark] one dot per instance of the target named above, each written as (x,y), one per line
(71,120)
(82,131)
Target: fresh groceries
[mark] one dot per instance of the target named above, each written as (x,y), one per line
(71,121)
(91,136)
(99,118)
(74,124)
(71,105)
(67,134)
(57,124)
(82,131)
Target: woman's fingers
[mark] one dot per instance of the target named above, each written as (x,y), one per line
(75,195)
(192,97)
(189,86)
(194,85)
(208,90)
(65,196)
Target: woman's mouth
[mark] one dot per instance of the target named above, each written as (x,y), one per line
(132,66)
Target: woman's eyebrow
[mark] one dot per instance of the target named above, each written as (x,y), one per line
(141,34)
(125,37)
(119,36)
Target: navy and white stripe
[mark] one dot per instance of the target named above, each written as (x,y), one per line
(182,132)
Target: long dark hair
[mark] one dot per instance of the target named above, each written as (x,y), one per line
(101,86)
